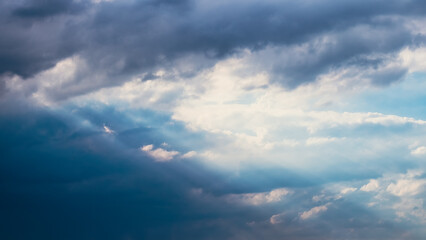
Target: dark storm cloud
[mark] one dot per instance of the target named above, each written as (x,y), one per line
(124,38)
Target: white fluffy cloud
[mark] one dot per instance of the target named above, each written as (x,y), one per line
(313,212)
(159,154)
(163,155)
(371,186)
(407,187)
(419,151)
(400,192)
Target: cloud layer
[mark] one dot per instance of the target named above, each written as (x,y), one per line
(116,40)
(246,119)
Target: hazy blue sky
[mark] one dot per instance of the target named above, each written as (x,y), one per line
(196,119)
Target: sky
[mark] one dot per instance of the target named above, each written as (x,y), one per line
(196,119)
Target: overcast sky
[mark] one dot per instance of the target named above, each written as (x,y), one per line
(245,119)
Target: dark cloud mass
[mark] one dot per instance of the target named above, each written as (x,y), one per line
(126,38)
(34,35)
(61,178)
(47,8)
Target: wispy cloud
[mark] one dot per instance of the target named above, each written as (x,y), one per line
(275,195)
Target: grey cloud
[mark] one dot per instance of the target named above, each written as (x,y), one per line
(47,8)
(364,47)
(30,45)
(121,39)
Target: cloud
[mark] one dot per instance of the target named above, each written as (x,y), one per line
(411,209)
(59,164)
(268,97)
(147,148)
(407,187)
(401,185)
(371,186)
(120,40)
(65,151)
(159,154)
(100,1)
(348,190)
(189,154)
(319,141)
(108,130)
(277,218)
(275,195)
(419,151)
(242,111)
(33,44)
(398,193)
(41,9)
(313,212)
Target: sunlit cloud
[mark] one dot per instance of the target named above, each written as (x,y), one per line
(371,186)
(313,212)
(108,130)
(275,195)
(159,154)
